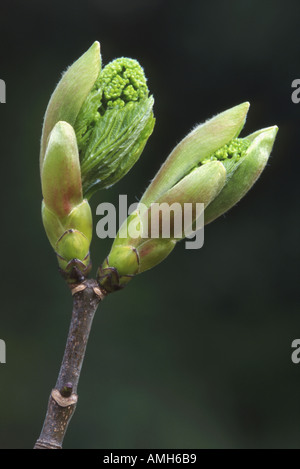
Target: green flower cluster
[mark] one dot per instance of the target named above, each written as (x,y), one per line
(233,151)
(114,124)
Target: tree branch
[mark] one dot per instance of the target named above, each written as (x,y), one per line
(63,399)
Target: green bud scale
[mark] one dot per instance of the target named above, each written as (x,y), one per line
(66,215)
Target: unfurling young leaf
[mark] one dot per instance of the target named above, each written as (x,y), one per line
(114,124)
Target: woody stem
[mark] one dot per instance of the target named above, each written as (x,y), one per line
(63,399)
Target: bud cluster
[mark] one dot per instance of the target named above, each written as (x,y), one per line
(96,125)
(211,166)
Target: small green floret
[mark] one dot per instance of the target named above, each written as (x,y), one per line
(234,150)
(122,81)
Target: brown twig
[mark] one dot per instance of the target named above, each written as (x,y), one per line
(63,398)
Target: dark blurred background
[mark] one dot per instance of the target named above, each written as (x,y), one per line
(195,353)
